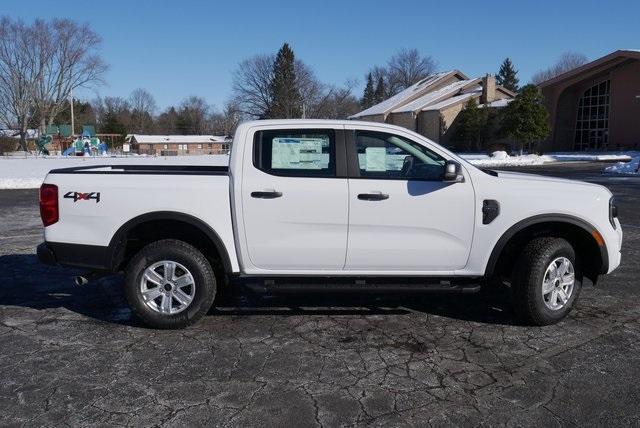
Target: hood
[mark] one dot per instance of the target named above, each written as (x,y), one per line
(521,176)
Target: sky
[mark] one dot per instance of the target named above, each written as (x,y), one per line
(175,49)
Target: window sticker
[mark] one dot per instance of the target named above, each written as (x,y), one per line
(300,153)
(376,159)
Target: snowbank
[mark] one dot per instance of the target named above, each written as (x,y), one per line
(597,157)
(28,173)
(502,158)
(627,168)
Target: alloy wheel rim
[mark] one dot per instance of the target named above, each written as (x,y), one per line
(558,283)
(167,287)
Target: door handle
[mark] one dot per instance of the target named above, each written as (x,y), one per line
(269,194)
(378,196)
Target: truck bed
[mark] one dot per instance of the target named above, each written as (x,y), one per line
(145,169)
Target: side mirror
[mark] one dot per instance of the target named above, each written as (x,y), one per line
(452,172)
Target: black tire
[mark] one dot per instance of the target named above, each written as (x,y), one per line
(528,275)
(184,254)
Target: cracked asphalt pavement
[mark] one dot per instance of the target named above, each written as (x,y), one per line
(74,356)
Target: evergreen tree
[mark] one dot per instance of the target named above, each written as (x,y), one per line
(286,102)
(368,98)
(507,76)
(526,118)
(379,93)
(471,125)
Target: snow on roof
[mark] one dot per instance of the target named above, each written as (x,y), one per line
(498,103)
(180,139)
(453,100)
(390,103)
(435,96)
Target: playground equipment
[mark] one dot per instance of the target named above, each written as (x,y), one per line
(41,144)
(86,146)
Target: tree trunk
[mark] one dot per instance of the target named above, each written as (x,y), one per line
(23,135)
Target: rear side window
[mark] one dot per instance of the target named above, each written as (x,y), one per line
(296,152)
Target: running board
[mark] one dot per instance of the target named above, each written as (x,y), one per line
(435,285)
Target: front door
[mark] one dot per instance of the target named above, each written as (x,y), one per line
(402,216)
(295,207)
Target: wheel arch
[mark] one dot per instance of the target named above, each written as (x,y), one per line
(585,238)
(158,225)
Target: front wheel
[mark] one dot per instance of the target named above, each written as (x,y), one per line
(169,284)
(547,281)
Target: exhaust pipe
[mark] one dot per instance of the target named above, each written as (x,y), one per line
(88,277)
(80,280)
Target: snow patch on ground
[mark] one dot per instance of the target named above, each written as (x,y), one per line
(28,173)
(626,168)
(502,158)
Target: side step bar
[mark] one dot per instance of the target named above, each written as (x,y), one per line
(333,284)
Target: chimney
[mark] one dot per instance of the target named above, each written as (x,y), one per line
(488,89)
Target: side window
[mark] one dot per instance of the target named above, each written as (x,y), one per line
(296,152)
(388,156)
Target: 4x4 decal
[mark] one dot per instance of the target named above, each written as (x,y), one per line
(77,196)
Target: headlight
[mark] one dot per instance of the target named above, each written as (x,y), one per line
(613,211)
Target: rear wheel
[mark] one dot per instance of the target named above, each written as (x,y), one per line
(547,281)
(170,284)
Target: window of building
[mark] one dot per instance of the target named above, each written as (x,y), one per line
(296,152)
(165,147)
(387,156)
(592,122)
(199,146)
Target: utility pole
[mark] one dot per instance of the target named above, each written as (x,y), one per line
(73,127)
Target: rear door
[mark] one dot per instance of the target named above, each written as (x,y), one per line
(296,200)
(403,217)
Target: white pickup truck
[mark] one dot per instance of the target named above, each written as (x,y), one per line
(310,204)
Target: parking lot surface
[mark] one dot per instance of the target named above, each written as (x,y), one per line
(74,355)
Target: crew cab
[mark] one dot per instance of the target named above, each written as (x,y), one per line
(315,204)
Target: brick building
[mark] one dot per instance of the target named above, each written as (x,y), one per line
(596,106)
(173,145)
(431,106)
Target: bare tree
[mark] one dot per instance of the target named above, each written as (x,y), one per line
(567,62)
(17,76)
(252,95)
(251,85)
(337,102)
(67,60)
(312,91)
(143,106)
(192,116)
(226,122)
(406,68)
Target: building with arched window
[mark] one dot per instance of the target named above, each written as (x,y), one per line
(596,106)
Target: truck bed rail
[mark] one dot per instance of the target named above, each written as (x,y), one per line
(145,169)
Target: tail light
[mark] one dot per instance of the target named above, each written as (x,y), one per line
(49,204)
